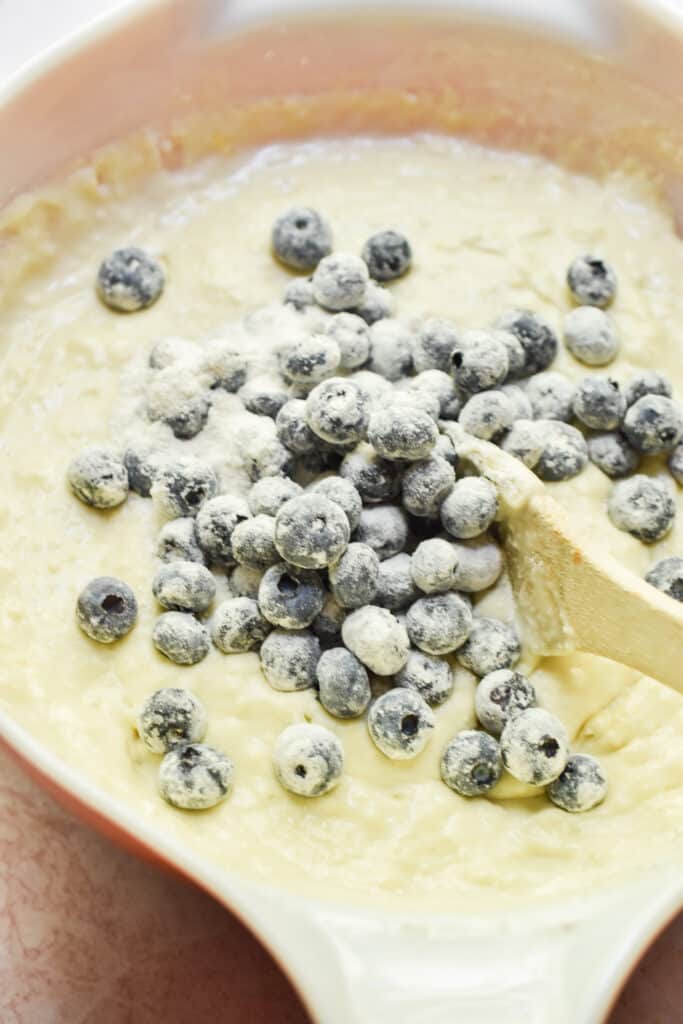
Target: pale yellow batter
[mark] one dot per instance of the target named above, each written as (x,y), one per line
(489,231)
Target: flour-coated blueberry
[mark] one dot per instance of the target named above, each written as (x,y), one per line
(599,403)
(215,524)
(253,542)
(129,280)
(564,454)
(308,760)
(433,345)
(181,487)
(536,336)
(340,281)
(194,777)
(400,723)
(433,565)
(490,645)
(289,659)
(337,411)
(429,676)
(487,415)
(377,638)
(551,395)
(106,609)
(343,493)
(653,424)
(269,494)
(184,587)
(590,336)
(310,359)
(376,479)
(354,578)
(350,332)
(171,716)
(471,764)
(425,486)
(642,506)
(99,478)
(611,453)
(384,528)
(439,623)
(181,638)
(535,747)
(592,281)
(470,507)
(238,625)
(291,598)
(388,255)
(344,686)
(647,382)
(499,696)
(311,531)
(479,361)
(301,238)
(667,575)
(177,541)
(391,349)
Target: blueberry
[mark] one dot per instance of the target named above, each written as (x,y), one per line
(471,764)
(479,564)
(599,403)
(182,487)
(376,388)
(354,578)
(301,238)
(402,433)
(612,453)
(308,760)
(374,478)
(534,746)
(169,717)
(643,507)
(195,777)
(487,415)
(299,294)
(433,565)
(327,626)
(536,337)
(376,304)
(377,638)
(141,465)
(350,332)
(310,359)
(675,464)
(445,449)
(184,587)
(98,478)
(337,412)
(590,336)
(653,424)
(178,541)
(263,398)
(442,387)
(647,382)
(268,495)
(470,508)
(551,396)
(342,493)
(388,255)
(129,280)
(581,786)
(400,723)
(180,400)
(311,531)
(253,542)
(293,430)
(222,366)
(339,281)
(439,623)
(479,361)
(515,351)
(425,486)
(525,442)
(171,350)
(265,456)
(491,645)
(395,586)
(384,528)
(521,405)
(238,625)
(592,281)
(343,683)
(106,609)
(289,660)
(499,696)
(405,394)
(215,524)
(290,598)
(181,638)
(431,677)
(245,581)
(433,345)
(391,349)
(564,454)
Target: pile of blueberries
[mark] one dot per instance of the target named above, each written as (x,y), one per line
(353,556)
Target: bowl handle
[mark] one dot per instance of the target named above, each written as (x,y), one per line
(562,964)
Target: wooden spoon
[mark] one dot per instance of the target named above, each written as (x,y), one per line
(570,595)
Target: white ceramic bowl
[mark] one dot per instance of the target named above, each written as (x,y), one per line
(562,962)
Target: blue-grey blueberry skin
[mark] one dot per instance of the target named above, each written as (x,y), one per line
(215,524)
(263,399)
(308,760)
(499,696)
(479,361)
(525,441)
(551,395)
(426,485)
(187,416)
(395,586)
(536,337)
(642,506)
(350,332)
(428,675)
(667,575)
(337,411)
(181,638)
(223,367)
(98,478)
(106,609)
(311,531)
(612,454)
(490,645)
(469,508)
(290,598)
(402,433)
(340,281)
(445,449)
(581,786)
(439,386)
(328,625)
(184,587)
(129,280)
(181,488)
(310,359)
(293,430)
(344,494)
(516,354)
(592,281)
(599,403)
(400,723)
(194,777)
(388,255)
(355,577)
(471,764)
(270,459)
(439,623)
(384,528)
(289,660)
(564,454)
(238,625)
(434,344)
(177,541)
(343,682)
(171,716)
(534,746)
(299,294)
(653,424)
(253,542)
(433,565)
(487,415)
(376,479)
(268,495)
(141,465)
(590,336)
(377,304)
(301,237)
(647,382)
